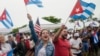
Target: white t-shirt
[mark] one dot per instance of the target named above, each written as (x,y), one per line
(76,44)
(42,52)
(5,48)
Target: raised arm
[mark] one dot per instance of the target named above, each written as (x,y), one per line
(56,36)
(31,26)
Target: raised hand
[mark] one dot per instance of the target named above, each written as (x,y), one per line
(29,16)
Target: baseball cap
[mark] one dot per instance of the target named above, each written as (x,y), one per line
(76,34)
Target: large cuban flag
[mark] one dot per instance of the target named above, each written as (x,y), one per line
(82,10)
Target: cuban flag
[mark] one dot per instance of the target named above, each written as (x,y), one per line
(82,10)
(95,38)
(5,19)
(38,3)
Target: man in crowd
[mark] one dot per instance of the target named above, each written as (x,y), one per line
(62,45)
(76,45)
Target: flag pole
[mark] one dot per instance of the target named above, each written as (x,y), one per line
(74,27)
(25,3)
(26,8)
(66,20)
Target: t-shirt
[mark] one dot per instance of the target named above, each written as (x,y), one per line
(27,43)
(5,47)
(76,44)
(42,52)
(62,47)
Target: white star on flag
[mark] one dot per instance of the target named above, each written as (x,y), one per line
(77,10)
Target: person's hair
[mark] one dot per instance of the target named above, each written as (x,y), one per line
(65,28)
(44,30)
(9,36)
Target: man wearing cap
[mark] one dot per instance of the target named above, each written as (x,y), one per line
(76,45)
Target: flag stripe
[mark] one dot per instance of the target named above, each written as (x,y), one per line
(87,12)
(37,26)
(90,9)
(84,15)
(92,5)
(96,38)
(36,2)
(9,21)
(8,17)
(85,4)
(5,24)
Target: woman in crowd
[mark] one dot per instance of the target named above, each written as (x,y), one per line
(21,47)
(43,46)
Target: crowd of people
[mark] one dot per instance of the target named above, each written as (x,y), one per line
(83,42)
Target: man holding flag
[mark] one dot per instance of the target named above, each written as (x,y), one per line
(95,41)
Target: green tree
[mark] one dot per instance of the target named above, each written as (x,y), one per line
(92,18)
(15,30)
(52,19)
(72,20)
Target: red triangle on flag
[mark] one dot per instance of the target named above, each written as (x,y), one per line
(77,8)
(3,16)
(26,2)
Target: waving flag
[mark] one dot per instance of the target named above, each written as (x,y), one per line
(82,10)
(37,26)
(5,19)
(95,37)
(77,9)
(36,2)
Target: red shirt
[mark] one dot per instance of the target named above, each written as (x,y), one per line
(62,47)
(27,43)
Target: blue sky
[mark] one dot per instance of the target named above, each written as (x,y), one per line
(57,8)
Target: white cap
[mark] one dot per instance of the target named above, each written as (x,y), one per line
(76,34)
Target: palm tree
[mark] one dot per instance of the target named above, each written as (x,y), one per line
(52,19)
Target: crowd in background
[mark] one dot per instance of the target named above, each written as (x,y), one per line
(83,42)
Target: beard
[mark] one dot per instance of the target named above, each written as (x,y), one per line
(64,36)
